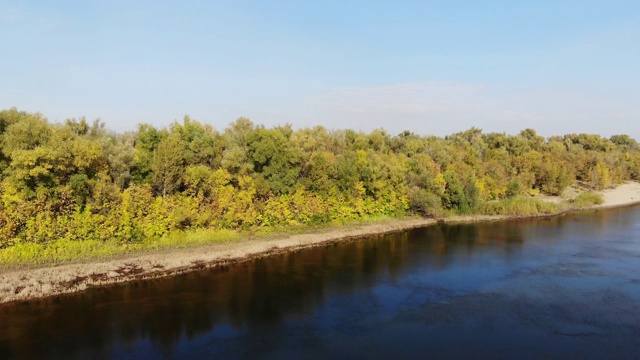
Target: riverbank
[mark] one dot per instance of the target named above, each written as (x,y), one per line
(26,284)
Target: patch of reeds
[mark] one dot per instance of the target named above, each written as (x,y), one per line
(518,206)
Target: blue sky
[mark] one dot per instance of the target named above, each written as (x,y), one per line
(433,67)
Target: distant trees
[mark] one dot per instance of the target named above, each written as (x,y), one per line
(56,177)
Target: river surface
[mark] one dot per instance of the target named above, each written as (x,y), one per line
(563,287)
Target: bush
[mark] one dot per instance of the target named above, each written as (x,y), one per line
(587,199)
(425,203)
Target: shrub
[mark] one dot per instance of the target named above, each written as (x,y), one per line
(425,203)
(587,199)
(518,206)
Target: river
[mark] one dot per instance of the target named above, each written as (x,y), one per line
(562,287)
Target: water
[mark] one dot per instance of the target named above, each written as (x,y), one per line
(565,287)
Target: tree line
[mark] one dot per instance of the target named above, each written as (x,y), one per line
(78,181)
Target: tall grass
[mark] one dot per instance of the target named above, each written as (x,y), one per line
(64,251)
(518,207)
(587,199)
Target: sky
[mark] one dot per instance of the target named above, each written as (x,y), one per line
(432,67)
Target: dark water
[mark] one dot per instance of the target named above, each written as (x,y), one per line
(565,287)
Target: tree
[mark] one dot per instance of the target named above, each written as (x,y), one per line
(625,141)
(275,161)
(168,165)
(600,176)
(459,194)
(203,145)
(146,141)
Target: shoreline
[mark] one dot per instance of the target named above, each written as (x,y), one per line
(27,284)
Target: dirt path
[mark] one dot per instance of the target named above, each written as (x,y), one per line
(35,283)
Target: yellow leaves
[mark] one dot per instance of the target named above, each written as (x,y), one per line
(424,162)
(359,190)
(490,189)
(158,222)
(361,158)
(29,158)
(199,180)
(600,176)
(221,177)
(439,184)
(278,211)
(253,176)
(533,192)
(245,182)
(38,171)
(234,207)
(86,153)
(528,162)
(482,189)
(10,194)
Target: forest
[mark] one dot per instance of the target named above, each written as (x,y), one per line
(77,185)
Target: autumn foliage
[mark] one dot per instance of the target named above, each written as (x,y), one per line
(79,182)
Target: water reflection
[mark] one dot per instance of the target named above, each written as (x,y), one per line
(264,298)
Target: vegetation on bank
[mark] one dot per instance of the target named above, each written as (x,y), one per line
(74,190)
(519,207)
(586,199)
(64,250)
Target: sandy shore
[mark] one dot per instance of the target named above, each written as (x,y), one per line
(625,194)
(35,283)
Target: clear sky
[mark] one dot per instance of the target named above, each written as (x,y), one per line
(433,67)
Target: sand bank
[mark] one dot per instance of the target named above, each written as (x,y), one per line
(625,194)
(41,282)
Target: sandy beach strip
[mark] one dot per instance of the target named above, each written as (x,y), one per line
(625,194)
(17,285)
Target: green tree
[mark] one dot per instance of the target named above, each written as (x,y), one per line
(168,165)
(275,161)
(146,142)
